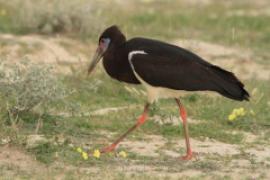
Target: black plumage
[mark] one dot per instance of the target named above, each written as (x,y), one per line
(166,65)
(164,70)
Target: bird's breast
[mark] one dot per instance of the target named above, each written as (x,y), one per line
(119,69)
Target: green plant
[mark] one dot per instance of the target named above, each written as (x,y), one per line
(27,86)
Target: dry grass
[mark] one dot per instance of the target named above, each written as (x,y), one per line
(43,16)
(227,150)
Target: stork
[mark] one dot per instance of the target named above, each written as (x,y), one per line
(164,70)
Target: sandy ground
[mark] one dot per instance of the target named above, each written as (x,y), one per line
(154,146)
(59,52)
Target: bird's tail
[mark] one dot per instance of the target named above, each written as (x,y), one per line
(228,85)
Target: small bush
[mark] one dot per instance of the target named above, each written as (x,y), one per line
(26,86)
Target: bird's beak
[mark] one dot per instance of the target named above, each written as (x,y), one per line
(98,55)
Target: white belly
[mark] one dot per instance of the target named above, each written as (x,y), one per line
(154,93)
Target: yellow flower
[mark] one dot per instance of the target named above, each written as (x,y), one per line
(123,154)
(241,111)
(236,111)
(79,150)
(84,155)
(232,117)
(96,153)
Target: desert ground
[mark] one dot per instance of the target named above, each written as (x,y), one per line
(50,107)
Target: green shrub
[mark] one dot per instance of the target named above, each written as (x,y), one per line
(27,86)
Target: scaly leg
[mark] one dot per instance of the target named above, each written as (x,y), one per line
(140,121)
(183,115)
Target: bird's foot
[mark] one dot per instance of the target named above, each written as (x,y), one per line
(189,156)
(108,149)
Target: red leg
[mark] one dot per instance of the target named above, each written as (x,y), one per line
(183,115)
(140,121)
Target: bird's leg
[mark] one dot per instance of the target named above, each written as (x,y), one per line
(183,115)
(140,121)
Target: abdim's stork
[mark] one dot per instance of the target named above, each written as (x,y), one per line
(164,70)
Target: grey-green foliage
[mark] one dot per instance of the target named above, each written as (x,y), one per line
(24,86)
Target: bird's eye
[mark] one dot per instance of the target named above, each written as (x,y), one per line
(102,41)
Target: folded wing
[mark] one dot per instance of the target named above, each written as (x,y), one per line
(185,73)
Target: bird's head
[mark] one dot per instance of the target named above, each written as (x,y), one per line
(110,38)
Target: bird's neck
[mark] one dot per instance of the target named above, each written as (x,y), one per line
(111,61)
(110,57)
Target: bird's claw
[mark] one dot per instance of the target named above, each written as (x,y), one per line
(108,149)
(189,156)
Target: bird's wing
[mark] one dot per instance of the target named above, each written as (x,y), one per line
(171,73)
(185,74)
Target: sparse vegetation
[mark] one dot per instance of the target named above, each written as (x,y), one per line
(91,112)
(25,87)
